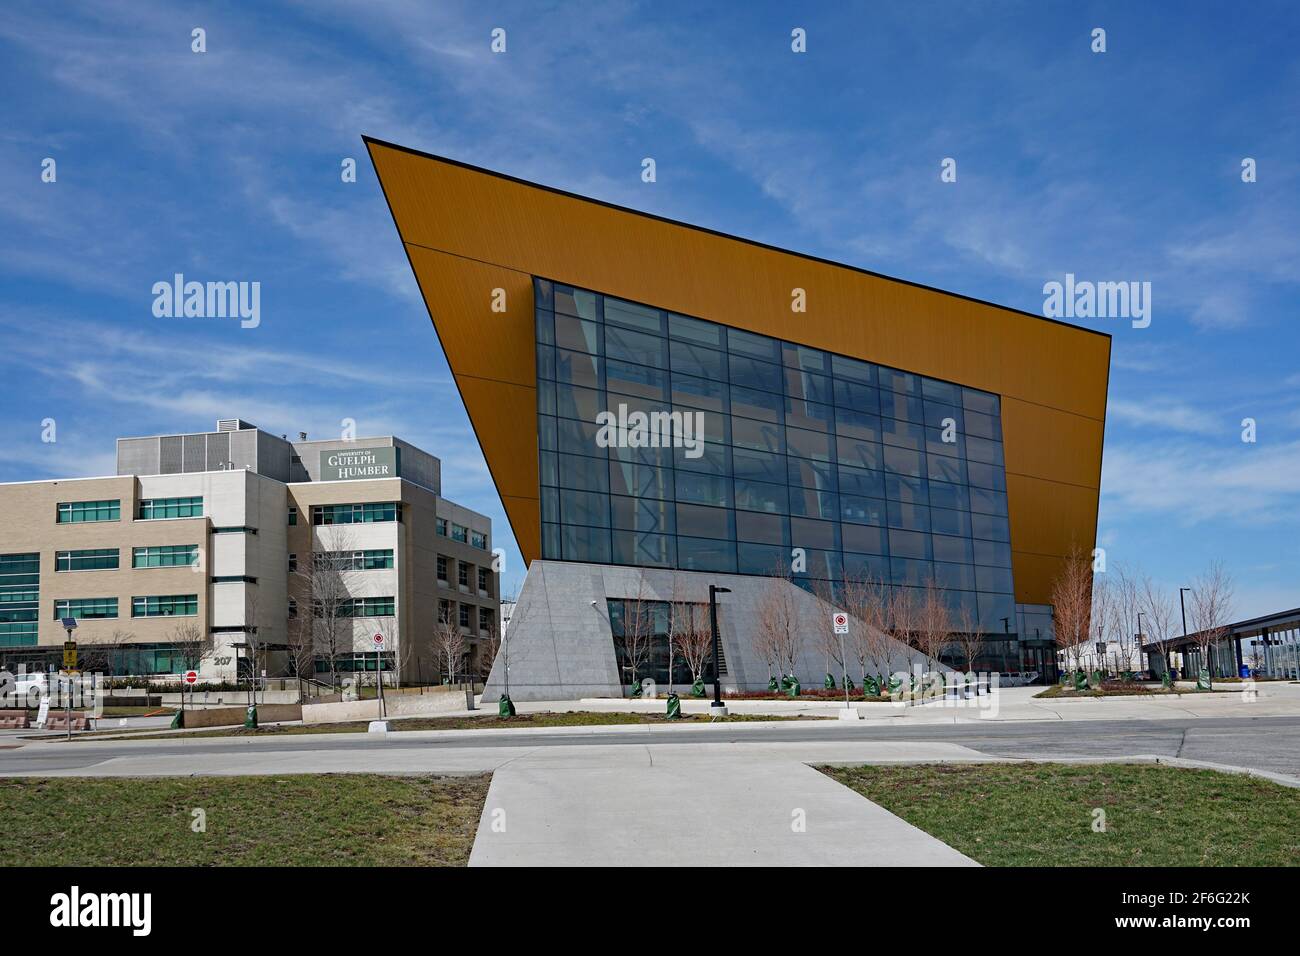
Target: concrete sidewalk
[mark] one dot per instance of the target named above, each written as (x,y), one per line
(1273,699)
(702,806)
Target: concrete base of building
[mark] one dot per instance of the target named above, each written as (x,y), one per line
(560,645)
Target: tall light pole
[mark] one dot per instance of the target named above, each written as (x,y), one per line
(714,591)
(1183,605)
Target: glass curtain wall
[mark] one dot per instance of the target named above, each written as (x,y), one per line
(868,470)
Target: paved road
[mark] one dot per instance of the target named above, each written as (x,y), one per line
(1262,743)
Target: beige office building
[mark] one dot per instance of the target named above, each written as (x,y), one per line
(262,553)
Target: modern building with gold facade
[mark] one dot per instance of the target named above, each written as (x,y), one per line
(662,407)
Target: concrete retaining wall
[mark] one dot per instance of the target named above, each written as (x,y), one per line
(398,705)
(232,716)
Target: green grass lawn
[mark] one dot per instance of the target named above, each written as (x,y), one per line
(1042,814)
(567,719)
(301,820)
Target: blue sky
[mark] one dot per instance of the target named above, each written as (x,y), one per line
(224,165)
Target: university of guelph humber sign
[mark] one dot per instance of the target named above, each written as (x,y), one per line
(342,464)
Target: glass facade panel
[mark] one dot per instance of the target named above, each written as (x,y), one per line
(871,471)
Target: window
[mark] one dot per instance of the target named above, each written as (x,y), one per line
(165,556)
(20,579)
(293,516)
(74,512)
(293,562)
(483,580)
(166,605)
(370,560)
(462,574)
(293,608)
(361,607)
(464,615)
(366,513)
(86,608)
(444,612)
(478,539)
(94,559)
(440,526)
(484,619)
(152,509)
(442,569)
(459,534)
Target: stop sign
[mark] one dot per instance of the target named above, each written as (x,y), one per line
(191,677)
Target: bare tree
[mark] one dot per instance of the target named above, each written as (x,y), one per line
(967,635)
(1072,605)
(320,588)
(192,642)
(779,622)
(1211,611)
(637,630)
(449,643)
(934,624)
(1126,602)
(904,617)
(1101,617)
(489,648)
(102,655)
(695,640)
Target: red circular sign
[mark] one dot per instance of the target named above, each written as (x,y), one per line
(379,640)
(191,677)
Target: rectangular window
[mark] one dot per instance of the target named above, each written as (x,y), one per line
(483,580)
(374,559)
(478,540)
(459,534)
(75,512)
(440,526)
(462,574)
(20,582)
(442,569)
(152,509)
(293,516)
(484,619)
(366,513)
(293,563)
(165,556)
(86,608)
(94,559)
(165,605)
(364,607)
(464,615)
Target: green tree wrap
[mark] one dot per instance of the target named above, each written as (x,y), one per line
(674,707)
(250,717)
(829,682)
(505,707)
(697,689)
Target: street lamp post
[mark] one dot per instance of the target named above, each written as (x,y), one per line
(714,591)
(1182,604)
